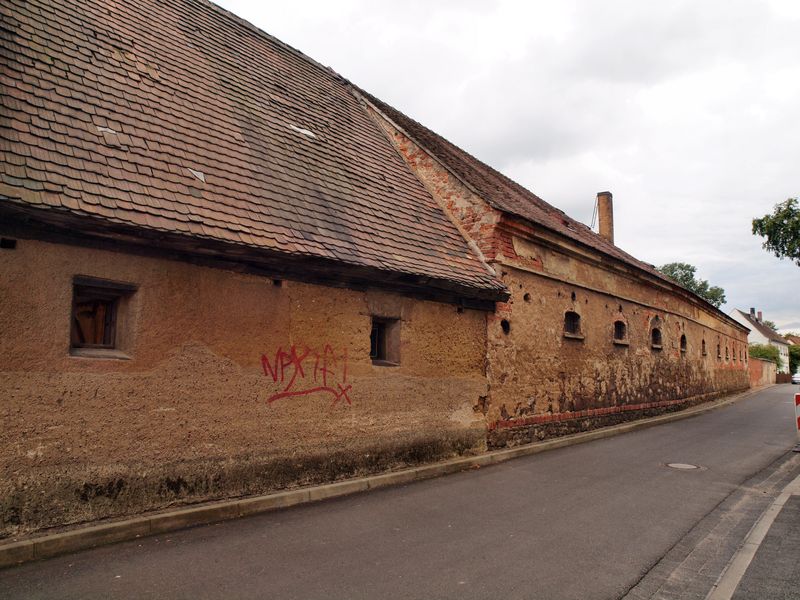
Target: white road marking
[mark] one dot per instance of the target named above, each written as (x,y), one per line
(729,579)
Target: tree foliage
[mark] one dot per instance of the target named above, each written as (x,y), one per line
(794,358)
(767,352)
(770,324)
(684,274)
(781,228)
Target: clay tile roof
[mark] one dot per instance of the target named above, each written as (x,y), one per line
(767,332)
(177,116)
(505,194)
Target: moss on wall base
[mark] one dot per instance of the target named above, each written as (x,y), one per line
(43,500)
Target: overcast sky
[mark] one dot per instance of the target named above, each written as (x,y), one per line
(689,112)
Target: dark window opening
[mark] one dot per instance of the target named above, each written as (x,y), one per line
(683,344)
(572,323)
(704,348)
(527,297)
(377,340)
(719,352)
(573,296)
(8,243)
(96,306)
(655,338)
(505,326)
(384,341)
(620,331)
(727,355)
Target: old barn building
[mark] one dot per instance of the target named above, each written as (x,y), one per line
(225,271)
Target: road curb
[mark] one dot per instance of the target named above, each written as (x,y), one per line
(46,546)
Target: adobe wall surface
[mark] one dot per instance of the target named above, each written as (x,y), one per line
(534,369)
(218,397)
(537,376)
(762,372)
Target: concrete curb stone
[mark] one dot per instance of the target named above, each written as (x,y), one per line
(16,552)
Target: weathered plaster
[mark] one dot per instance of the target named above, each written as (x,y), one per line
(200,410)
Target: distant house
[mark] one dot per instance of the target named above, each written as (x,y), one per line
(761,334)
(794,340)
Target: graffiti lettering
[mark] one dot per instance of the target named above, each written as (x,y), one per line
(303,371)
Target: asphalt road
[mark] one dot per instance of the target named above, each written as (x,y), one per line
(583,522)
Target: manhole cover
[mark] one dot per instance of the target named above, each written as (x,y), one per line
(682,466)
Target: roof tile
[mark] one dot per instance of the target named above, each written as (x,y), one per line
(288,153)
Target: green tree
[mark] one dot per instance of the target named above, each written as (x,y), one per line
(766,352)
(794,358)
(684,274)
(781,228)
(770,324)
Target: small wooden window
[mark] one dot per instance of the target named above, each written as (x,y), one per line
(96,304)
(655,338)
(683,344)
(384,341)
(572,324)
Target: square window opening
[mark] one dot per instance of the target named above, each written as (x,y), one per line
(97,313)
(384,341)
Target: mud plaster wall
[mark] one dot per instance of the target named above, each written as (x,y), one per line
(534,369)
(195,413)
(762,372)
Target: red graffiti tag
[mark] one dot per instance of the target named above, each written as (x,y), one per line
(293,370)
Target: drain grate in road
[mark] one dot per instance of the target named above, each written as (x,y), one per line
(682,466)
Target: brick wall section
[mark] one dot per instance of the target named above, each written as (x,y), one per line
(471,214)
(762,372)
(537,376)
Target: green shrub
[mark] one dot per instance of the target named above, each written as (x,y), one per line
(767,352)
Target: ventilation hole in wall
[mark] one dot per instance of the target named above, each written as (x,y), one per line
(620,308)
(460,309)
(573,296)
(527,297)
(277,282)
(8,243)
(505,326)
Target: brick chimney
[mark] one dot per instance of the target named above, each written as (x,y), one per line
(760,317)
(752,312)
(605,215)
